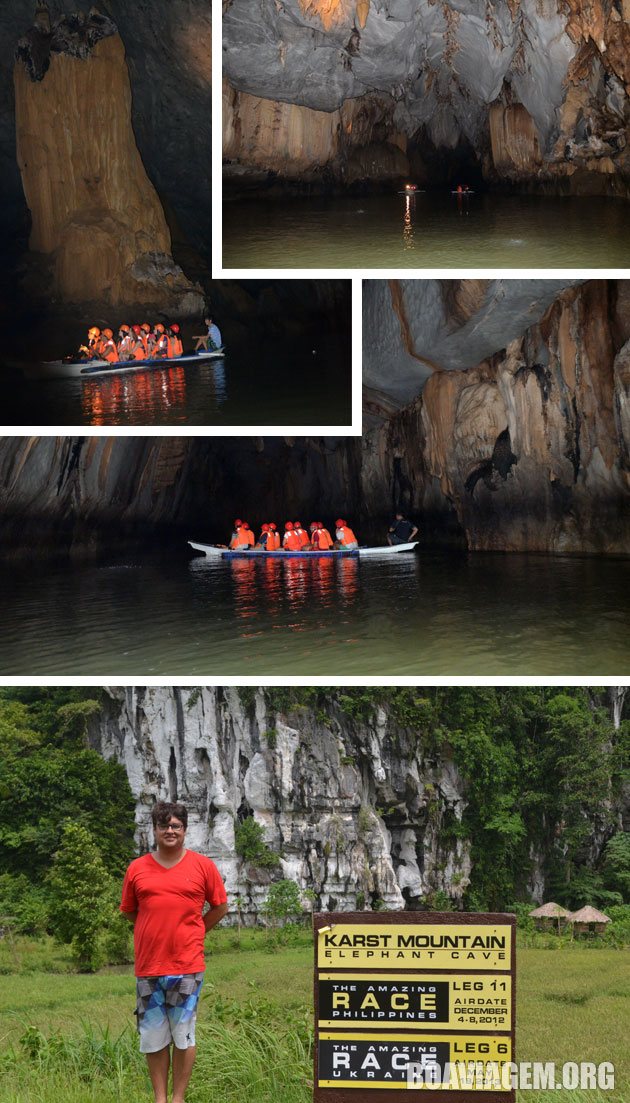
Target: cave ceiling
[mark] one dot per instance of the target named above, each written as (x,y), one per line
(442,63)
(412,328)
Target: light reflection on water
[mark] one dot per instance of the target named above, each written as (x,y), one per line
(427,230)
(275,385)
(409,615)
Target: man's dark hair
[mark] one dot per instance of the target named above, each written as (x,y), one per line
(164,810)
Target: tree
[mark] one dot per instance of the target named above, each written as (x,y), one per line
(81,896)
(616,865)
(283,902)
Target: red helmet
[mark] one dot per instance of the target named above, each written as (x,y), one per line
(339,523)
(313,525)
(159,328)
(297,524)
(174,328)
(245,525)
(107,333)
(289,525)
(146,327)
(320,524)
(123,329)
(265,528)
(272,526)
(238,522)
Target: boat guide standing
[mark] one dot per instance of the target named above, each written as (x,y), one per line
(401,531)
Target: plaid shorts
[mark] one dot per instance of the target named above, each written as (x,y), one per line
(167,1010)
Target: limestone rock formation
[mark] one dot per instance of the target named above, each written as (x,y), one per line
(499,417)
(536,90)
(354,809)
(94,210)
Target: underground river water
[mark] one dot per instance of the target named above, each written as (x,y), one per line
(429,230)
(426,614)
(304,381)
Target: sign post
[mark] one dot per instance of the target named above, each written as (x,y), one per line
(409,1001)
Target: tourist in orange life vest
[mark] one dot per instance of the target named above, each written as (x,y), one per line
(273,538)
(242,537)
(89,351)
(290,540)
(108,346)
(301,534)
(320,537)
(160,349)
(125,344)
(264,537)
(147,339)
(137,344)
(178,347)
(345,536)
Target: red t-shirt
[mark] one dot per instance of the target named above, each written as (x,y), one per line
(169,931)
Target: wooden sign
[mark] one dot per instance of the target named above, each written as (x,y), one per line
(407,1000)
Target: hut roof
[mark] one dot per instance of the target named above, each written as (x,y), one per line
(589,915)
(550,911)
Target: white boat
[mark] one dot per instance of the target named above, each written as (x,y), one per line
(89,369)
(214,551)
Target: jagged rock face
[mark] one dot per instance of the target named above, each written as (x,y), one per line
(353,808)
(525,449)
(168,51)
(357,141)
(93,207)
(529,449)
(538,89)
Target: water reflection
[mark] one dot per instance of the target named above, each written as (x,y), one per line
(109,401)
(500,231)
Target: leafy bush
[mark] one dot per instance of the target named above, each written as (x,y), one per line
(249,841)
(81,896)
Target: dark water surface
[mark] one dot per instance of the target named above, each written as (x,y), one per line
(295,382)
(162,614)
(429,230)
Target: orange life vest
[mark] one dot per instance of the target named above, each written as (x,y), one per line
(291,541)
(346,536)
(140,350)
(171,347)
(302,537)
(178,346)
(322,539)
(273,541)
(109,351)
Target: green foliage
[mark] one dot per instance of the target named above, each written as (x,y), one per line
(81,896)
(283,902)
(27,904)
(616,864)
(271,736)
(249,841)
(364,821)
(49,775)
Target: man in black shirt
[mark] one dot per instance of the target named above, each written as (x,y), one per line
(402,531)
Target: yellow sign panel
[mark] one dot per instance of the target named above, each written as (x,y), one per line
(422,945)
(408,1001)
(463,1062)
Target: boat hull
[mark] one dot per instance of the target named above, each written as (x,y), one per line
(213,552)
(85,369)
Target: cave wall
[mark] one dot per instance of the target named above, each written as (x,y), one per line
(93,208)
(539,90)
(168,55)
(525,449)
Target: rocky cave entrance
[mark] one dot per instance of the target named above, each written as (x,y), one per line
(440,167)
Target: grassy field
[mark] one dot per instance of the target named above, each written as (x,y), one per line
(70,1038)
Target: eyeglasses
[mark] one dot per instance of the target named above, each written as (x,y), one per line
(171,827)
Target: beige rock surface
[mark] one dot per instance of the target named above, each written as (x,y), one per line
(93,206)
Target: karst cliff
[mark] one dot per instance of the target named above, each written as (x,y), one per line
(530,94)
(362,808)
(498,417)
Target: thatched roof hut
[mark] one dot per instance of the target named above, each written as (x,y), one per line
(587,920)
(549,915)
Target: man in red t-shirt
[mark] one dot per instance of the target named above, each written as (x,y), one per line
(163,895)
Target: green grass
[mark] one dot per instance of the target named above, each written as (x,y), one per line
(254,1029)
